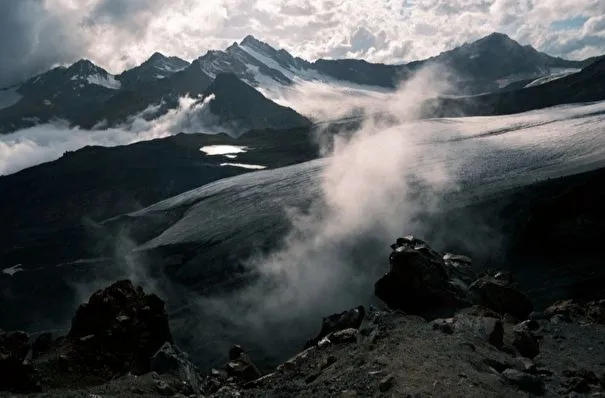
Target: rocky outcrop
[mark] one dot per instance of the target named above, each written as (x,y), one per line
(120,329)
(419,280)
(117,332)
(573,310)
(422,281)
(350,319)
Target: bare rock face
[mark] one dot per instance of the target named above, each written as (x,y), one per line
(420,281)
(120,329)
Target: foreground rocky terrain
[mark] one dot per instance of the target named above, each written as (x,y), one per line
(444,331)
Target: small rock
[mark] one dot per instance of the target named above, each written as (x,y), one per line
(324,342)
(498,366)
(241,367)
(327,362)
(509,319)
(528,366)
(537,316)
(444,325)
(386,383)
(163,388)
(344,336)
(577,384)
(348,394)
(556,319)
(337,322)
(489,329)
(312,377)
(525,342)
(524,381)
(530,325)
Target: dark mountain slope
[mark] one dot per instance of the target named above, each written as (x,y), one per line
(585,86)
(157,67)
(240,106)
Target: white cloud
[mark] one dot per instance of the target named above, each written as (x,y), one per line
(120,33)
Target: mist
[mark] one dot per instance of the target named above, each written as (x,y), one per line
(370,194)
(47,142)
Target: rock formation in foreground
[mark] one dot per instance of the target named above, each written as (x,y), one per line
(444,331)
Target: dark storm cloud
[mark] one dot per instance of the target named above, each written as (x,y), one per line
(32,40)
(130,15)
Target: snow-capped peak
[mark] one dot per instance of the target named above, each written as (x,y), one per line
(85,72)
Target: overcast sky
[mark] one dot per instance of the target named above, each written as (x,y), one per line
(116,34)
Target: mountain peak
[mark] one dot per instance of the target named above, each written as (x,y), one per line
(251,40)
(497,39)
(85,66)
(157,56)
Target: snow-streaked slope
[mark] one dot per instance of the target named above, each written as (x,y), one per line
(552,77)
(107,81)
(481,155)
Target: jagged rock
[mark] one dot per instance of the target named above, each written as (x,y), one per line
(164,388)
(119,329)
(501,297)
(240,365)
(418,281)
(169,359)
(526,382)
(350,319)
(568,310)
(525,342)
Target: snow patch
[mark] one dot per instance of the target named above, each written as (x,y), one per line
(107,81)
(551,78)
(10,271)
(223,149)
(245,166)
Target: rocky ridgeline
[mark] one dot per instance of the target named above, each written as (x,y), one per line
(445,331)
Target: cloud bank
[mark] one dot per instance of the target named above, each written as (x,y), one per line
(116,34)
(47,142)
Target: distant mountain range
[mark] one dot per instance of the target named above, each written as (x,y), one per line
(87,95)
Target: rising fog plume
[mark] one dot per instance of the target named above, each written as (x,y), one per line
(47,142)
(334,252)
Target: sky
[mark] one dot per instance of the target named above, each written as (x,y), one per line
(117,34)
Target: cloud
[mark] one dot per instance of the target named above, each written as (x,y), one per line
(33,38)
(121,33)
(336,250)
(47,142)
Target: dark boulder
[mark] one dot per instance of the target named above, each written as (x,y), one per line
(419,280)
(501,296)
(119,329)
(350,319)
(240,366)
(525,342)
